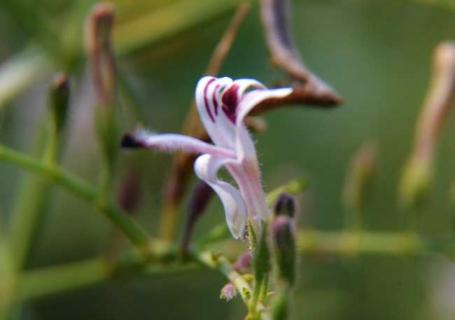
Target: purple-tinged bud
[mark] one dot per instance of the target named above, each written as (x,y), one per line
(98,36)
(243,263)
(284,247)
(129,194)
(285,205)
(199,200)
(228,292)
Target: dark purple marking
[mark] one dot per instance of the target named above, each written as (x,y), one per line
(130,142)
(215,102)
(206,99)
(230,102)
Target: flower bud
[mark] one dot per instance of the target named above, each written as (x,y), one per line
(129,193)
(199,200)
(285,205)
(440,102)
(284,247)
(103,73)
(59,93)
(98,36)
(280,307)
(228,292)
(243,263)
(261,258)
(357,185)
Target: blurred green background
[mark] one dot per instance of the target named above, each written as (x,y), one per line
(377,54)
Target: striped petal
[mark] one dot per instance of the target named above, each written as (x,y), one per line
(210,107)
(206,168)
(172,143)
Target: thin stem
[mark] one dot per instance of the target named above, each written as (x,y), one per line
(164,259)
(61,278)
(370,243)
(6,277)
(80,189)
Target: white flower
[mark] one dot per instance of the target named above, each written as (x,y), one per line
(223,105)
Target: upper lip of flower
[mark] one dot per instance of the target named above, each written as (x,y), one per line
(223,105)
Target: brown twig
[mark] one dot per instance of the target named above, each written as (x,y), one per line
(308,88)
(181,166)
(438,104)
(99,49)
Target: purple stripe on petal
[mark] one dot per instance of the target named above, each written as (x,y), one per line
(214,100)
(230,102)
(206,99)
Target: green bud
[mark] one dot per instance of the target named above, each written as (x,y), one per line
(59,94)
(415,183)
(261,257)
(359,178)
(280,308)
(284,248)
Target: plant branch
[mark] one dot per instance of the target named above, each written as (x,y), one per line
(164,259)
(81,189)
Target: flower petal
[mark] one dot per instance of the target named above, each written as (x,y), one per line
(208,101)
(252,98)
(206,168)
(244,144)
(172,143)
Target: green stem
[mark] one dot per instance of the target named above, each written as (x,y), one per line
(367,242)
(163,259)
(80,189)
(6,277)
(33,198)
(50,280)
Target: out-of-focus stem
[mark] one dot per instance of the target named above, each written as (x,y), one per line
(439,103)
(368,243)
(21,71)
(7,276)
(99,27)
(164,259)
(181,167)
(81,189)
(167,22)
(34,195)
